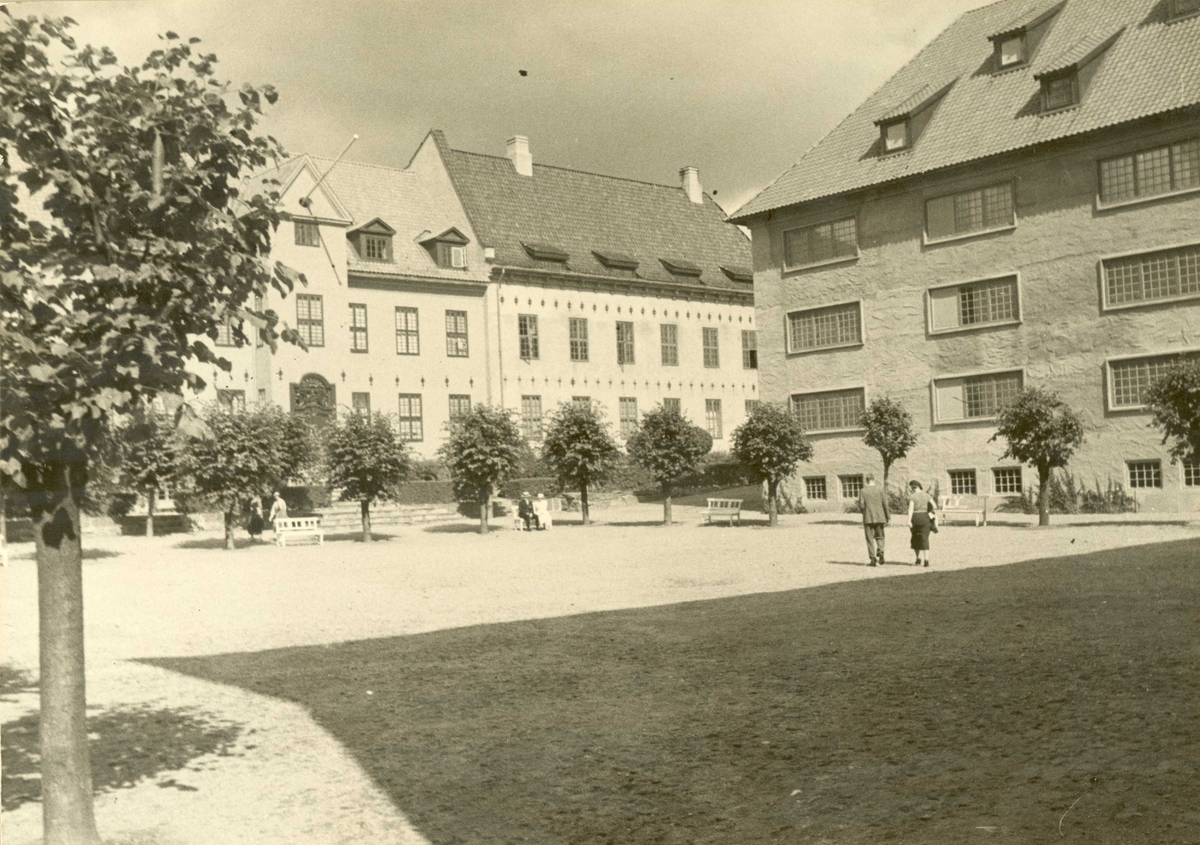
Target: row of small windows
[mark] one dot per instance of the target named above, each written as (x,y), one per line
(533,419)
(379,247)
(529,344)
(310,324)
(1148,173)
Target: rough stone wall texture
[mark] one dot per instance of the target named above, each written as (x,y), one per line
(1062,342)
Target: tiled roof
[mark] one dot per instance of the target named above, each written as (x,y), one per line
(587,215)
(1077,52)
(907,105)
(1152,68)
(1029,15)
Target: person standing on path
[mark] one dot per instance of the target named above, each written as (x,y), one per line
(255,526)
(278,510)
(922,519)
(872,501)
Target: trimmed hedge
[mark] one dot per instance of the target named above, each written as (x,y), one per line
(425,493)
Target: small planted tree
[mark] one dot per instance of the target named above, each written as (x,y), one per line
(580,448)
(365,461)
(1043,432)
(1174,399)
(889,431)
(482,451)
(150,458)
(668,446)
(769,444)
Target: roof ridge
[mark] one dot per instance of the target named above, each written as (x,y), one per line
(358,163)
(576,170)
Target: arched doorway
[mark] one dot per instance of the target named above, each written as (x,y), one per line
(315,399)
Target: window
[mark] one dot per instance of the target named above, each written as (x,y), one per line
(627,406)
(456,334)
(411,428)
(962,482)
(975,304)
(310,319)
(452,256)
(1058,92)
(1145,475)
(360,403)
(966,398)
(669,334)
(225,332)
(673,406)
(814,487)
(527,337)
(460,405)
(1006,481)
(408,337)
(851,485)
(1130,379)
(531,417)
(829,410)
(1162,170)
(981,210)
(818,244)
(307,233)
(749,350)
(377,248)
(1011,50)
(232,401)
(1191,473)
(582,401)
(751,406)
(712,418)
(895,136)
(358,327)
(825,328)
(624,342)
(1152,276)
(712,351)
(579,339)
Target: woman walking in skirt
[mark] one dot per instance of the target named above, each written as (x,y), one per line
(921,519)
(255,526)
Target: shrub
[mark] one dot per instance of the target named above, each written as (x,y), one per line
(1068,495)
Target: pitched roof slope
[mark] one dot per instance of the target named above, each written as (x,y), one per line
(1153,67)
(584,213)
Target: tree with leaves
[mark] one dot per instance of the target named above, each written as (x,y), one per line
(580,448)
(668,446)
(889,431)
(365,462)
(769,444)
(124,244)
(1174,400)
(483,450)
(149,457)
(1043,432)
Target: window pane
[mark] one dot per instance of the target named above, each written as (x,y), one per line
(968,211)
(1006,481)
(749,350)
(1153,275)
(818,328)
(984,396)
(1012,51)
(672,405)
(851,485)
(712,418)
(1153,169)
(456,334)
(822,242)
(411,428)
(962,482)
(527,331)
(1116,179)
(988,302)
(531,417)
(939,218)
(624,342)
(997,206)
(1145,474)
(627,406)
(579,338)
(407,335)
(1186,162)
(712,355)
(669,335)
(1133,378)
(831,410)
(814,488)
(1059,93)
(895,136)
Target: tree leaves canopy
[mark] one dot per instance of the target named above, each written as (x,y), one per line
(771,442)
(365,459)
(1174,399)
(482,451)
(889,429)
(579,445)
(1041,430)
(667,445)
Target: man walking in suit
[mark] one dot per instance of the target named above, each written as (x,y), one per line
(872,501)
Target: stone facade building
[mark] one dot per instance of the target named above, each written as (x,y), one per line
(465,278)
(1019,205)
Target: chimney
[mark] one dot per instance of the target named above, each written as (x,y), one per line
(518,152)
(690,177)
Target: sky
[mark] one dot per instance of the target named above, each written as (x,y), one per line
(738,88)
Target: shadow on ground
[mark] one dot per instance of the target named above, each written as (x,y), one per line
(127,745)
(88,554)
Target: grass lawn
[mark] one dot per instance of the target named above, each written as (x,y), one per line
(977,705)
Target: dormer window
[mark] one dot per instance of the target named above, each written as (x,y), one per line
(1183,8)
(1011,50)
(895,136)
(1060,92)
(449,249)
(373,241)
(901,125)
(450,255)
(376,248)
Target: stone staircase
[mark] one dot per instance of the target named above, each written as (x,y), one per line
(342,517)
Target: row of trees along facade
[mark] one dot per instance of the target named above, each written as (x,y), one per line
(1020,207)
(463,279)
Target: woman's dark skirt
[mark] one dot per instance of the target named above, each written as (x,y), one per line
(921,524)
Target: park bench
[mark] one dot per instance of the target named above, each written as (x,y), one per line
(730,509)
(298,526)
(542,508)
(959,506)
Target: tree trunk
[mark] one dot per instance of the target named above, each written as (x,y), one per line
(229,544)
(150,496)
(68,817)
(666,504)
(583,504)
(366,521)
(772,502)
(485,514)
(1043,496)
(887,467)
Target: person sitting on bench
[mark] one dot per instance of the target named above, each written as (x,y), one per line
(526,512)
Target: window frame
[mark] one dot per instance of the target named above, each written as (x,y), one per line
(862,481)
(1021,37)
(1158,472)
(715,348)
(383,241)
(1072,75)
(866,401)
(965,420)
(750,352)
(1109,404)
(950,473)
(719,433)
(814,480)
(1102,274)
(357,331)
(354,400)
(1016,321)
(751,405)
(528,343)
(628,426)
(787,328)
(450,403)
(231,400)
(224,336)
(1169,146)
(906,143)
(625,346)
(1020,491)
(1189,473)
(929,240)
(455,335)
(673,345)
(578,346)
(408,419)
(840,259)
(412,336)
(532,428)
(306,225)
(677,404)
(309,322)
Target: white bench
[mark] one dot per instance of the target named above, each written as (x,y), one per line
(730,509)
(298,526)
(957,506)
(542,509)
